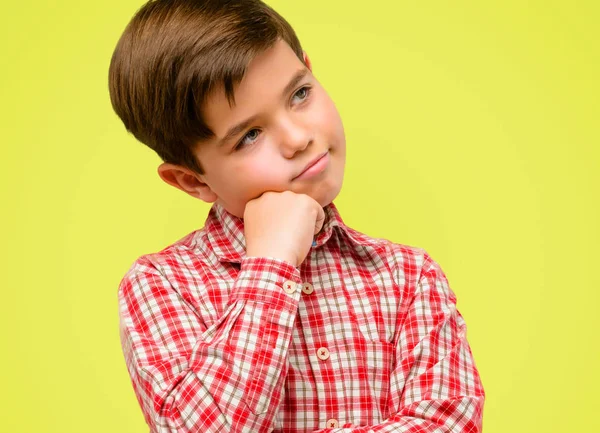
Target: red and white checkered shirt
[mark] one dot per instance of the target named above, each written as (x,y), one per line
(363,336)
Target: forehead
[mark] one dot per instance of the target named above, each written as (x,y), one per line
(266,77)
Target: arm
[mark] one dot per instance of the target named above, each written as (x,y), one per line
(435,386)
(227,377)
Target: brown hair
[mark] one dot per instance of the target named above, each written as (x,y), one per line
(173,53)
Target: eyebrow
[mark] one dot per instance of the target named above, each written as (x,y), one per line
(235,130)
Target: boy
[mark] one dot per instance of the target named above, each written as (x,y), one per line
(275,316)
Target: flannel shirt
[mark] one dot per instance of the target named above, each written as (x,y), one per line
(364,336)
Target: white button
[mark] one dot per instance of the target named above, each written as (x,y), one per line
(307,288)
(332,423)
(322,353)
(290,287)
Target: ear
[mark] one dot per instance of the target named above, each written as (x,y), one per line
(307,61)
(186,180)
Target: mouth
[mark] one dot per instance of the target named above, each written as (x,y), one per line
(320,161)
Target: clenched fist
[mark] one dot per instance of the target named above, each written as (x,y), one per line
(282,225)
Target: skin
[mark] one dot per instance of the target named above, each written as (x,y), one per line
(290,130)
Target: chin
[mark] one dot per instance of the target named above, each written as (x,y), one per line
(327,198)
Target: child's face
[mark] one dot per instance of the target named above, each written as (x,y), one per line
(290,127)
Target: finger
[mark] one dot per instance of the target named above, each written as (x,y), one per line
(320,220)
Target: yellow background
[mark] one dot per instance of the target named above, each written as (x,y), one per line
(472,131)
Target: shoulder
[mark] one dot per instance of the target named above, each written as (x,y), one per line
(173,262)
(386,247)
(409,263)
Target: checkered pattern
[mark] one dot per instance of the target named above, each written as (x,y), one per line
(364,336)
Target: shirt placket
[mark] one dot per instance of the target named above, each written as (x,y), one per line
(317,339)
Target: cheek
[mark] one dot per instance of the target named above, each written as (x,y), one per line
(259,171)
(264,170)
(329,118)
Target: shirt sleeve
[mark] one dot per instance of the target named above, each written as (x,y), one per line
(227,377)
(435,386)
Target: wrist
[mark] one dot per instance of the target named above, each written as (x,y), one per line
(274,254)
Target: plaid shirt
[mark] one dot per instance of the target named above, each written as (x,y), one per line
(363,336)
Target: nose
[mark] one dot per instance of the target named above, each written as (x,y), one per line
(295,136)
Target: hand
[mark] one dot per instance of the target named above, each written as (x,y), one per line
(282,225)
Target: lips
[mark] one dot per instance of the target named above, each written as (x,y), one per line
(311,163)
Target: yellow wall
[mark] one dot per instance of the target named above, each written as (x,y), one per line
(472,131)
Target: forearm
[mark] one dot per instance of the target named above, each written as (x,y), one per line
(435,385)
(231,374)
(464,417)
(447,397)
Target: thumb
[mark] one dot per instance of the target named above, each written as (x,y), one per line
(320,220)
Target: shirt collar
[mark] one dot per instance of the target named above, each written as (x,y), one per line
(225,232)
